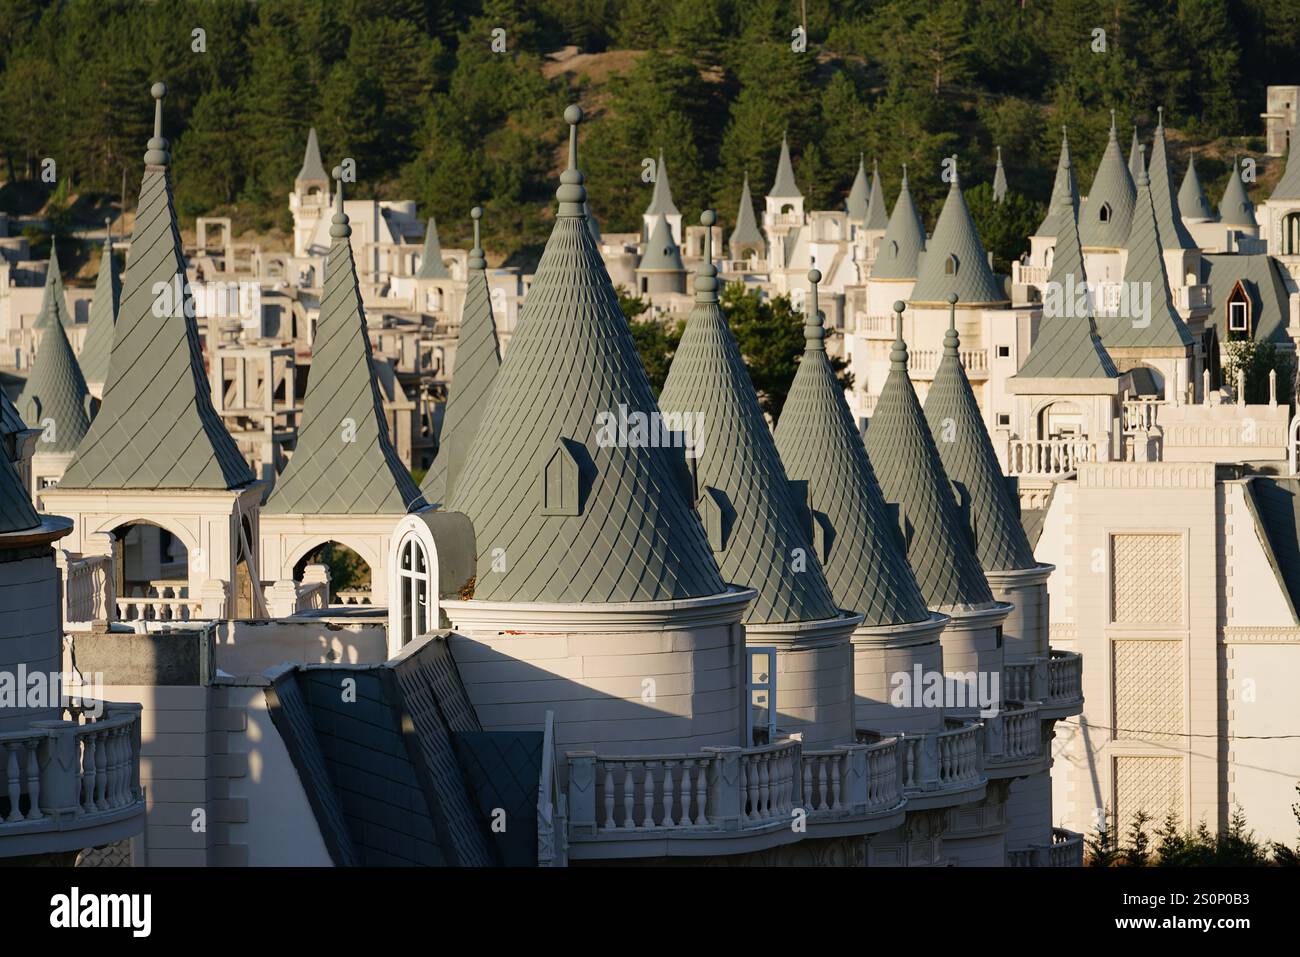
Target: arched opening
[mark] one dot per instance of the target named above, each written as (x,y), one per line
(787,209)
(433,300)
(1103,214)
(1291,234)
(413,589)
(350,574)
(153,574)
(1060,420)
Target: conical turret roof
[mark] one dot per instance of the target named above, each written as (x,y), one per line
(54,302)
(757,531)
(661,200)
(784,187)
(999,180)
(912,479)
(746,230)
(1192,203)
(312,167)
(344,462)
(156,428)
(983,498)
(478,356)
(431,264)
(1235,207)
(1133,155)
(54,398)
(1164,197)
(97,347)
(904,239)
(1064,186)
(661,253)
(1104,218)
(877,211)
(955,261)
(859,201)
(10,420)
(1288,187)
(862,554)
(566,505)
(16,511)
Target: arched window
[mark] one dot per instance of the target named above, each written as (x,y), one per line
(413,589)
(1291,234)
(1104,213)
(950,266)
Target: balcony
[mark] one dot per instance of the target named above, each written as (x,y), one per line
(87,587)
(1013,740)
(72,783)
(1055,682)
(938,768)
(926,361)
(1191,298)
(1054,458)
(1066,850)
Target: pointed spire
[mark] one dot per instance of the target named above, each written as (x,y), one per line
(1144,270)
(912,479)
(1133,159)
(1067,345)
(955,260)
(1064,186)
(855,536)
(784,187)
(1192,204)
(478,357)
(344,462)
(999,180)
(1104,219)
(708,380)
(706,275)
(156,428)
(859,201)
(98,344)
(661,200)
(904,239)
(580,508)
(54,398)
(312,167)
(431,264)
(991,516)
(661,253)
(1288,186)
(1235,207)
(877,211)
(1173,234)
(746,231)
(54,303)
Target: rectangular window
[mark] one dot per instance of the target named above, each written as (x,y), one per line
(760,688)
(1237,321)
(1004,418)
(1004,352)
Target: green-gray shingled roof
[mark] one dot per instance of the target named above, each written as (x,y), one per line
(54,302)
(1112,194)
(54,398)
(312,167)
(746,230)
(1235,207)
(1192,202)
(1133,152)
(983,497)
(1265,282)
(859,201)
(431,264)
(156,428)
(999,179)
(877,211)
(562,509)
(756,527)
(10,420)
(661,253)
(954,261)
(859,546)
(1274,505)
(784,187)
(1067,345)
(912,479)
(97,347)
(661,200)
(1144,270)
(1164,196)
(904,239)
(1063,186)
(1288,186)
(344,462)
(16,511)
(478,357)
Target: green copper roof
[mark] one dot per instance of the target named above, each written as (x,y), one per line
(10,420)
(758,534)
(431,264)
(1064,186)
(1067,345)
(1105,216)
(98,344)
(877,211)
(54,398)
(983,496)
(312,167)
(859,201)
(746,230)
(478,356)
(954,261)
(16,511)
(1235,207)
(54,303)
(344,463)
(1133,151)
(1288,187)
(999,180)
(1145,270)
(566,507)
(859,545)
(904,239)
(661,200)
(1192,203)
(661,253)
(1173,234)
(913,480)
(784,187)
(156,428)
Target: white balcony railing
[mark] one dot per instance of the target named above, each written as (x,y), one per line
(1029,275)
(159,601)
(851,779)
(881,325)
(1053,681)
(974,361)
(936,760)
(1013,735)
(1049,457)
(1188,298)
(1066,850)
(87,588)
(1064,677)
(1140,414)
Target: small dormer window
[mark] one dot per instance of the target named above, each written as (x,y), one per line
(1238,317)
(893,249)
(560,493)
(950,265)
(1103,214)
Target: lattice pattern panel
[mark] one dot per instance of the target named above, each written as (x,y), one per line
(1147,689)
(1151,784)
(1147,579)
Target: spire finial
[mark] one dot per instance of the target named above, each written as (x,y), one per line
(156,154)
(339,228)
(999,149)
(476,258)
(951,341)
(572,194)
(706,281)
(1112,122)
(813,332)
(1160,117)
(904,174)
(898,355)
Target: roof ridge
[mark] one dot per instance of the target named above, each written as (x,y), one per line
(904,239)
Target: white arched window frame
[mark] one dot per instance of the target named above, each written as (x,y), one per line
(413,584)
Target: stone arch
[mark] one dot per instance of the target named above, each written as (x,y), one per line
(310,544)
(409,583)
(1041,419)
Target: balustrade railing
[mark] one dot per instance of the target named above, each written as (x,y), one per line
(88,588)
(1066,850)
(1141,413)
(935,760)
(851,779)
(1048,456)
(158,601)
(1014,734)
(355,596)
(1065,676)
(974,361)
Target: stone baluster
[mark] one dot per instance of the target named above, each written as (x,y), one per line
(648,798)
(629,792)
(701,792)
(670,794)
(13,774)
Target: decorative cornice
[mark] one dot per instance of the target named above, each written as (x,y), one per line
(800,635)
(614,617)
